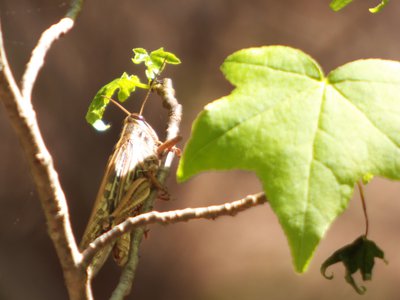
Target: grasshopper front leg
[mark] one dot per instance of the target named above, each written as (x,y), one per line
(169,145)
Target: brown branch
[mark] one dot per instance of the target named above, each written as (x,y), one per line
(23,119)
(167,94)
(127,277)
(170,217)
(48,37)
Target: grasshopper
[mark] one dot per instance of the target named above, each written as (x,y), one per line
(128,180)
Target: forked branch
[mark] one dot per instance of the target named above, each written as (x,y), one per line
(23,118)
(17,102)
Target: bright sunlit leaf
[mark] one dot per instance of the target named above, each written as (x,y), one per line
(308,137)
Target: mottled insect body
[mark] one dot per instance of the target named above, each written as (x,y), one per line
(125,186)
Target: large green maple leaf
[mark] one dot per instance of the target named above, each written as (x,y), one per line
(308,137)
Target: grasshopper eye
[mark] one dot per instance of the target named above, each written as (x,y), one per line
(141,118)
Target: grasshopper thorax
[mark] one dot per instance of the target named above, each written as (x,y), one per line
(135,126)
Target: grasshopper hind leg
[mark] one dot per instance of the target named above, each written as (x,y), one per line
(121,249)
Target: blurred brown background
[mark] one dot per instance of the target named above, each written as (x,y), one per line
(245,257)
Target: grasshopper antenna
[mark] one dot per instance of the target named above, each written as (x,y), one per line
(151,85)
(118,105)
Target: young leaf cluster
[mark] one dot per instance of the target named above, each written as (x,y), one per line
(154,61)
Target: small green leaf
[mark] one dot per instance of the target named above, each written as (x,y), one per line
(359,255)
(379,7)
(160,56)
(337,5)
(154,61)
(125,85)
(140,56)
(309,138)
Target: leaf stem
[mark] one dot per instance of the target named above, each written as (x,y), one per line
(145,99)
(118,105)
(364,206)
(143,86)
(151,84)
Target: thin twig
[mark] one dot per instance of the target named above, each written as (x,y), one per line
(364,206)
(23,119)
(49,36)
(167,93)
(174,216)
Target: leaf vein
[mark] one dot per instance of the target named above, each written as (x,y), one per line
(364,81)
(358,109)
(307,204)
(256,114)
(275,69)
(330,169)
